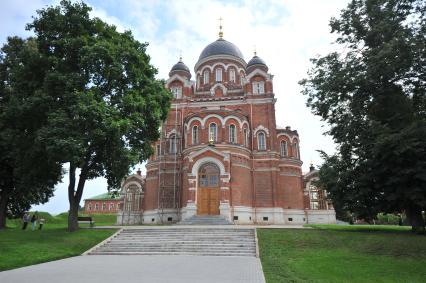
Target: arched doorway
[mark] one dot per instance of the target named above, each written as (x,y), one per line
(208,194)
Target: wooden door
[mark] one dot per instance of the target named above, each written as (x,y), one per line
(208,190)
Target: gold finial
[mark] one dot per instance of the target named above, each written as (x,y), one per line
(180,55)
(255,51)
(220,28)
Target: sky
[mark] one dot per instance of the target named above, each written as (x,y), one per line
(285,33)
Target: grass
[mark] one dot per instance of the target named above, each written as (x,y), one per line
(20,248)
(333,253)
(62,219)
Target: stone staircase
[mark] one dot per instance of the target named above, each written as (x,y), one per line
(205,220)
(181,241)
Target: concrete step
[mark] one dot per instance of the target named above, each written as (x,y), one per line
(173,253)
(205,220)
(181,241)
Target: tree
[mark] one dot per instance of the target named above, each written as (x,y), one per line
(372,94)
(106,105)
(27,172)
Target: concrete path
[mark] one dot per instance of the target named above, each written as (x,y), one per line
(140,268)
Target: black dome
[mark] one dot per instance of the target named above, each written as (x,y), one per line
(180,66)
(221,47)
(255,61)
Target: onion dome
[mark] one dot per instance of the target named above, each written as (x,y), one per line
(221,47)
(256,62)
(180,68)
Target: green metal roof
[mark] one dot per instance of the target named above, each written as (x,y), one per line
(105,196)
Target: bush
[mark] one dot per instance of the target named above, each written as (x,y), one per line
(388,219)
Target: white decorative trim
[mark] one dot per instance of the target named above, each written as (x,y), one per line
(259,72)
(225,66)
(186,82)
(223,121)
(240,165)
(224,89)
(173,131)
(221,57)
(285,134)
(261,128)
(200,162)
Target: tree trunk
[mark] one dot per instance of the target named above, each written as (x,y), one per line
(3,206)
(414,214)
(72,212)
(74,196)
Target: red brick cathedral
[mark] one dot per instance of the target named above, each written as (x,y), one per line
(221,152)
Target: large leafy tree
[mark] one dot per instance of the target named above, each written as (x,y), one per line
(27,172)
(105,104)
(372,93)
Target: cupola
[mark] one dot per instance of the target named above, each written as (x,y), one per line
(181,69)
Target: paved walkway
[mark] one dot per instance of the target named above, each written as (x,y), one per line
(140,268)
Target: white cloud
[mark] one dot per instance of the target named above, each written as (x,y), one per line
(286,33)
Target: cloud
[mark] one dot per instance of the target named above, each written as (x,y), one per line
(286,34)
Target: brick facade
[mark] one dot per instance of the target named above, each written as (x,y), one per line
(225,117)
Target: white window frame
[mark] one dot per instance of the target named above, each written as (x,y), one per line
(232,134)
(283,148)
(195,134)
(173,144)
(177,92)
(111,206)
(89,207)
(104,206)
(213,133)
(258,87)
(245,137)
(206,77)
(96,206)
(232,75)
(219,74)
(261,145)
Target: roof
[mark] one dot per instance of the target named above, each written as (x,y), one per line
(221,47)
(106,196)
(256,60)
(180,66)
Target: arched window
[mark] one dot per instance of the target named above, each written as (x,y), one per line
(218,74)
(261,141)
(212,132)
(283,149)
(242,79)
(172,145)
(195,135)
(206,77)
(232,75)
(232,134)
(296,150)
(245,137)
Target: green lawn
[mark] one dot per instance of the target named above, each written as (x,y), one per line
(20,248)
(343,254)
